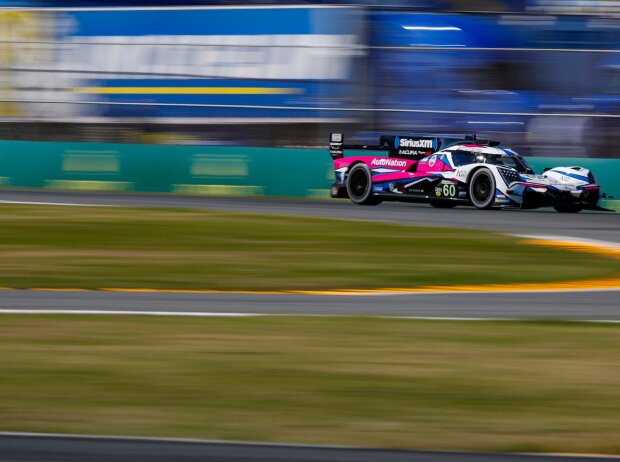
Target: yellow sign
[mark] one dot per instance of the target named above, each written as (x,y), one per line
(18,31)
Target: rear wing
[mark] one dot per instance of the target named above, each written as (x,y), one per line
(337,146)
(407,146)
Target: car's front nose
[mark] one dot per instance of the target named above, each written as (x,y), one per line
(589,194)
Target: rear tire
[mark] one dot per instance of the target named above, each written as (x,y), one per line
(568,208)
(482,189)
(359,186)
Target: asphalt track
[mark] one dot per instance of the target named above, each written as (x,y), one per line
(578,305)
(584,305)
(591,225)
(42,448)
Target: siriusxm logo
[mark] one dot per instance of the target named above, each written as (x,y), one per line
(423,143)
(387,162)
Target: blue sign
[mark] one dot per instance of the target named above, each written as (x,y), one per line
(233,64)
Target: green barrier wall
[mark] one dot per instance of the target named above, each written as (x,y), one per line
(209,170)
(177,169)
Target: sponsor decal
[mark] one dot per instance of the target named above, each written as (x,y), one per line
(377,188)
(438,193)
(432,161)
(424,143)
(501,198)
(335,147)
(388,162)
(396,188)
(412,152)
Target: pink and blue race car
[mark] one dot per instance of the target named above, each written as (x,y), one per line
(446,172)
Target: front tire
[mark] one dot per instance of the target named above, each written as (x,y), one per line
(482,189)
(568,208)
(359,186)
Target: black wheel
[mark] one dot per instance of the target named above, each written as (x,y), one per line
(443,204)
(359,186)
(482,189)
(568,208)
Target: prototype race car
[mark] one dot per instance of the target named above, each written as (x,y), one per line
(447,172)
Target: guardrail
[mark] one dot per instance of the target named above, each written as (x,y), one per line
(208,170)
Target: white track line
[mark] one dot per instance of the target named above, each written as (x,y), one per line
(69,204)
(193,314)
(131,313)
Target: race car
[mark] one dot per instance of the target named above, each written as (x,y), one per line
(446,172)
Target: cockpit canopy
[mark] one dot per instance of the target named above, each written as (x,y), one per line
(465,155)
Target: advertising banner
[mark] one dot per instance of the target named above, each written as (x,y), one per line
(178,65)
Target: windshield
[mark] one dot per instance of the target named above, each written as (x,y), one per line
(460,158)
(518,163)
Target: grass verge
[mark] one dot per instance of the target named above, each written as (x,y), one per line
(97,247)
(497,386)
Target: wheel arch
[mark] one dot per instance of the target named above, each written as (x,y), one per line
(349,168)
(353,164)
(475,169)
(357,162)
(500,183)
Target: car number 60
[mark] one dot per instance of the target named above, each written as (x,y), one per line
(449,190)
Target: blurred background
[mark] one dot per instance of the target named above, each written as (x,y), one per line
(543,76)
